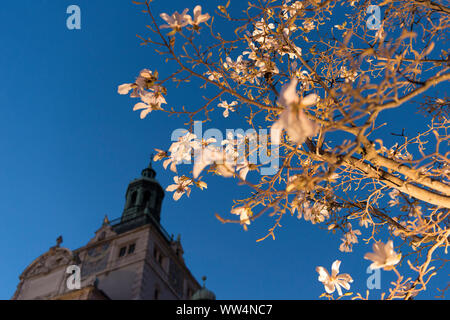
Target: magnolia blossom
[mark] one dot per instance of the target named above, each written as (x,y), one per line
(348,75)
(253,54)
(305,80)
(150,101)
(180,187)
(125,88)
(234,147)
(228,107)
(143,82)
(396,153)
(198,17)
(267,65)
(225,168)
(213,155)
(244,213)
(318,214)
(308,26)
(350,238)
(383,256)
(415,211)
(145,88)
(340,26)
(398,232)
(181,150)
(213,75)
(295,7)
(292,118)
(238,66)
(394,196)
(365,221)
(243,169)
(176,21)
(262,30)
(292,54)
(297,204)
(289,29)
(145,109)
(334,281)
(307,211)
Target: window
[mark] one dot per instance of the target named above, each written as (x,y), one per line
(133,199)
(146,198)
(122,251)
(152,200)
(126,250)
(158,256)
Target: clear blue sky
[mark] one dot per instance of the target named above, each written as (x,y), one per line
(70,145)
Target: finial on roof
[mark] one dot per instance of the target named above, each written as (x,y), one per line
(152,156)
(59,240)
(149,172)
(105,220)
(204,281)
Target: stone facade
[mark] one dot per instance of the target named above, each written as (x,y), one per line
(132,258)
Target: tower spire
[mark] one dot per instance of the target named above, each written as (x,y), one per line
(152,156)
(149,172)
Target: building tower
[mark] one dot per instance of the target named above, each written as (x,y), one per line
(132,257)
(144,196)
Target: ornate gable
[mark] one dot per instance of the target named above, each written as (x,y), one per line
(105,232)
(52,259)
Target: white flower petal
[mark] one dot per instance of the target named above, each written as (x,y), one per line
(323,274)
(310,100)
(335,268)
(125,88)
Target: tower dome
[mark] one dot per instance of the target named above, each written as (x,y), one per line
(203,293)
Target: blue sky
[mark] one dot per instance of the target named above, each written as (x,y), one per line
(70,146)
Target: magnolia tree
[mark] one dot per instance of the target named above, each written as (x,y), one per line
(313,80)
